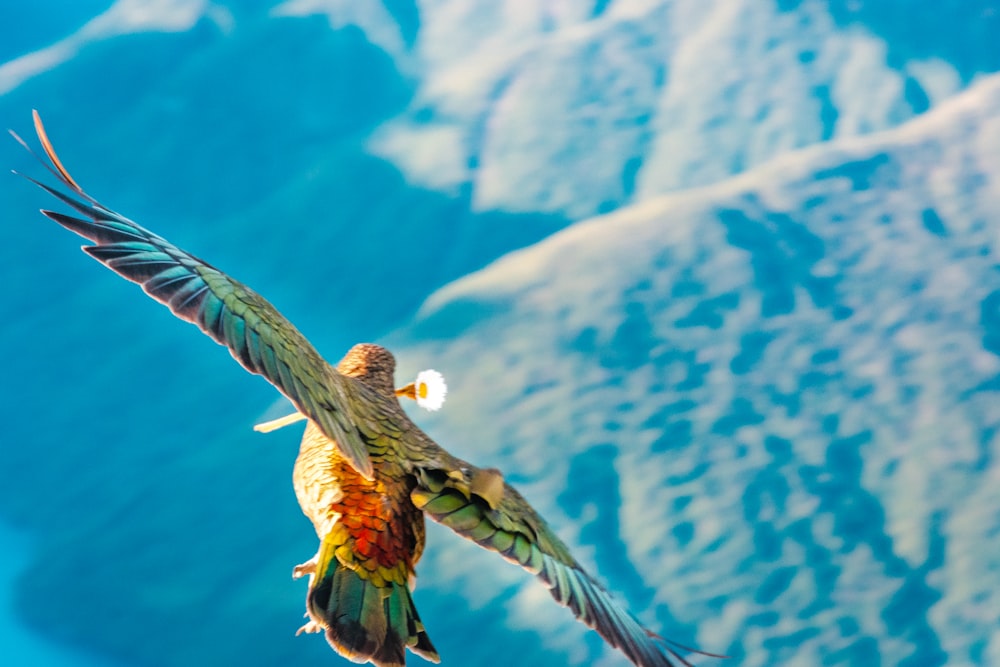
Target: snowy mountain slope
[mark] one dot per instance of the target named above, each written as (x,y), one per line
(582,107)
(790,379)
(578,107)
(121,18)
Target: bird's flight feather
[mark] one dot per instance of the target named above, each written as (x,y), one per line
(232,314)
(513,529)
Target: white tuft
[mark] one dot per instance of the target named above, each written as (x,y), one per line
(431,390)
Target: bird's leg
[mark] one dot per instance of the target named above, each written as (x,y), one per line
(275,424)
(310,627)
(308,567)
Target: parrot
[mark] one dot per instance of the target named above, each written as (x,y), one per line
(366,476)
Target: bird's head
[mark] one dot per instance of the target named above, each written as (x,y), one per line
(372,364)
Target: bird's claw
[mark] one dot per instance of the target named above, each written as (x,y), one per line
(308,567)
(309,628)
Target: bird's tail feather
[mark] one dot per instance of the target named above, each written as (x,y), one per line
(363,620)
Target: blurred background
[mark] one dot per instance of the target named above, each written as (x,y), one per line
(714,282)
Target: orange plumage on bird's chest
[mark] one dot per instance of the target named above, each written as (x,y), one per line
(373,516)
(371,525)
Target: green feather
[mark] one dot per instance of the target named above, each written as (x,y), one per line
(517,533)
(502,541)
(464,519)
(444,504)
(232,314)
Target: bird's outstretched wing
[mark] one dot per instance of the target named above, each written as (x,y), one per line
(496,517)
(257,335)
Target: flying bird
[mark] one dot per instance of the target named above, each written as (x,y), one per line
(365,476)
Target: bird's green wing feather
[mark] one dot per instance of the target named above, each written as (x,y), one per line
(509,526)
(232,314)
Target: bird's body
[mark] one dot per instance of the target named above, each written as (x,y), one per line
(371,535)
(366,476)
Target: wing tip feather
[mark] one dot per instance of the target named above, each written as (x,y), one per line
(50,152)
